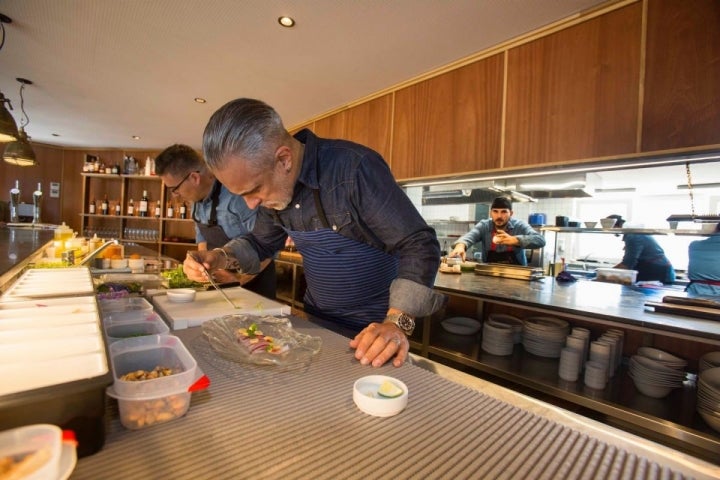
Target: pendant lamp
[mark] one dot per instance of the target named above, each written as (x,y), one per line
(8,127)
(20,152)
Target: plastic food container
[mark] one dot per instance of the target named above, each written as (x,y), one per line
(33,450)
(148,325)
(147,353)
(137,413)
(125,309)
(616,275)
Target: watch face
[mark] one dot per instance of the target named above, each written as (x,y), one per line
(406,323)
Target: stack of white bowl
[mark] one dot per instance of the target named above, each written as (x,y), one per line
(516,324)
(655,372)
(497,338)
(595,375)
(708,396)
(545,336)
(570,364)
(709,360)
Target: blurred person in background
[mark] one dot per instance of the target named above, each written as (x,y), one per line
(503,238)
(704,265)
(642,253)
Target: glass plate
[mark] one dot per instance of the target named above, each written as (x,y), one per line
(221,333)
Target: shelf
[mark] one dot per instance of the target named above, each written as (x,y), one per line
(619,399)
(119,176)
(617,231)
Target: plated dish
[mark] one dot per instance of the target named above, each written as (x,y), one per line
(260,340)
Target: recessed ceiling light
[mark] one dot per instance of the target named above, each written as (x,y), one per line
(55,134)
(200,100)
(286,21)
(135,137)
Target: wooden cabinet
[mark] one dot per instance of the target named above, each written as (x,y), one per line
(171,237)
(367,124)
(682,75)
(574,94)
(450,123)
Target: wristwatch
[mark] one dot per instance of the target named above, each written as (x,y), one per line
(405,322)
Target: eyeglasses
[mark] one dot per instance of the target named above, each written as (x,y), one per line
(173,190)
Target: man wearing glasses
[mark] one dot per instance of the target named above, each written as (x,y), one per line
(218,214)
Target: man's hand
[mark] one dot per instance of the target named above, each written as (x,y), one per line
(458,251)
(503,238)
(378,343)
(197,262)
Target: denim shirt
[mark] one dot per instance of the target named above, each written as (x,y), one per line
(233,214)
(704,264)
(483,232)
(363,202)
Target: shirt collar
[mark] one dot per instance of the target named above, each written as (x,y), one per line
(309,171)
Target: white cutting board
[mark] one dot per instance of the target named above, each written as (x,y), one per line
(211,304)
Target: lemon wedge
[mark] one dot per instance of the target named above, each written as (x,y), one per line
(389,390)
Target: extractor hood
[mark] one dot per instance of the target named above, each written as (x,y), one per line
(481,192)
(519,190)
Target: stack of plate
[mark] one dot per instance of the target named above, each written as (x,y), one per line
(708,396)
(497,338)
(660,356)
(654,378)
(709,360)
(516,324)
(545,336)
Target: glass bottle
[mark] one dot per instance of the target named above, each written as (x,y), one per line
(118,209)
(37,204)
(91,207)
(131,208)
(170,210)
(104,206)
(15,202)
(144,204)
(157,209)
(183,211)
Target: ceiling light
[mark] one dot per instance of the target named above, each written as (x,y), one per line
(200,100)
(55,134)
(3,20)
(8,127)
(135,137)
(286,22)
(20,152)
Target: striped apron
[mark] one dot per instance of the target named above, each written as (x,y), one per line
(348,282)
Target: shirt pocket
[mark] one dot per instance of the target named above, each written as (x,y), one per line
(338,222)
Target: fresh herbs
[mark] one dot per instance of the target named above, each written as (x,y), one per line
(177,279)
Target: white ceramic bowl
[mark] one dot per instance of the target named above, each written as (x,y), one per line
(608,222)
(137,265)
(367,399)
(181,295)
(590,224)
(651,389)
(663,357)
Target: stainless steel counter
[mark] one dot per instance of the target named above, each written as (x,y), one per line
(17,245)
(612,302)
(257,422)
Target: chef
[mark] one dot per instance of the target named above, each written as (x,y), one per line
(704,265)
(503,238)
(218,214)
(370,259)
(642,253)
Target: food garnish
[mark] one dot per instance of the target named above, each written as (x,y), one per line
(389,390)
(256,341)
(140,375)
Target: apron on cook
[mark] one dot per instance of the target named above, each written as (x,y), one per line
(348,281)
(506,256)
